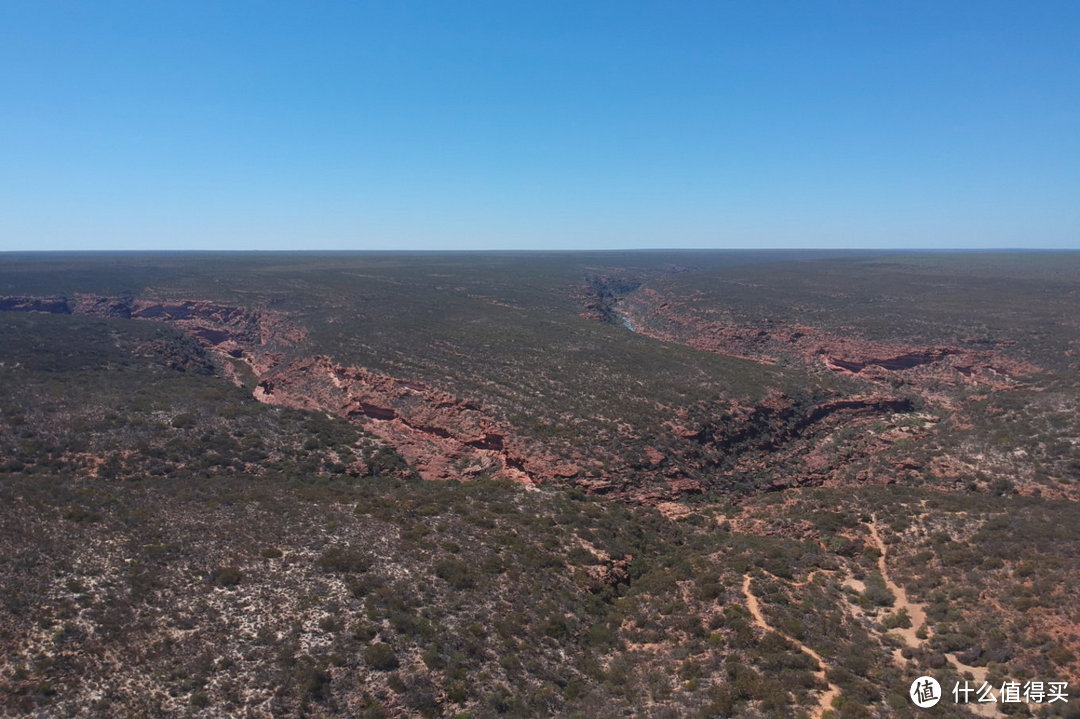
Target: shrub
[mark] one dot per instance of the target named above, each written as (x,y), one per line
(366,584)
(455,573)
(601,636)
(876,591)
(1061,656)
(364,631)
(381,656)
(226,576)
(457,691)
(315,682)
(186,420)
(897,620)
(343,560)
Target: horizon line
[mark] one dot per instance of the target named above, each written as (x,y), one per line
(933,250)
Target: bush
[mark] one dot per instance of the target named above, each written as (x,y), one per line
(185,420)
(877,593)
(897,620)
(1061,656)
(457,691)
(343,560)
(455,573)
(366,584)
(314,682)
(226,576)
(381,656)
(364,631)
(601,636)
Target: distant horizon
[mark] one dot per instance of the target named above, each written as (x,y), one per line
(530,250)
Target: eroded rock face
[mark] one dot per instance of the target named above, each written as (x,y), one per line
(612,571)
(445,437)
(441,436)
(237,332)
(918,366)
(789,442)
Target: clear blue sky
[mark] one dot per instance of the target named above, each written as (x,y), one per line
(543,124)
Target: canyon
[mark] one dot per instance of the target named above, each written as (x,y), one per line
(697,485)
(444,437)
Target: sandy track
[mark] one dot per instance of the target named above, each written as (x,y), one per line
(825,702)
(917,612)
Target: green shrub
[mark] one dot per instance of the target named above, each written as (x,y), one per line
(381,656)
(897,620)
(315,682)
(185,420)
(364,631)
(876,593)
(455,573)
(343,560)
(226,576)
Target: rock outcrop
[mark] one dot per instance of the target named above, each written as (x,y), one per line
(445,437)
(918,366)
(441,436)
(238,332)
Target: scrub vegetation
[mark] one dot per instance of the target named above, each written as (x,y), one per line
(196,522)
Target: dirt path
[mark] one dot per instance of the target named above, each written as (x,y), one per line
(825,702)
(917,612)
(803,583)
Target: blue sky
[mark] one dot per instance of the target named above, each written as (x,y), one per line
(475,125)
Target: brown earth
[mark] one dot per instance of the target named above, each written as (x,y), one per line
(441,436)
